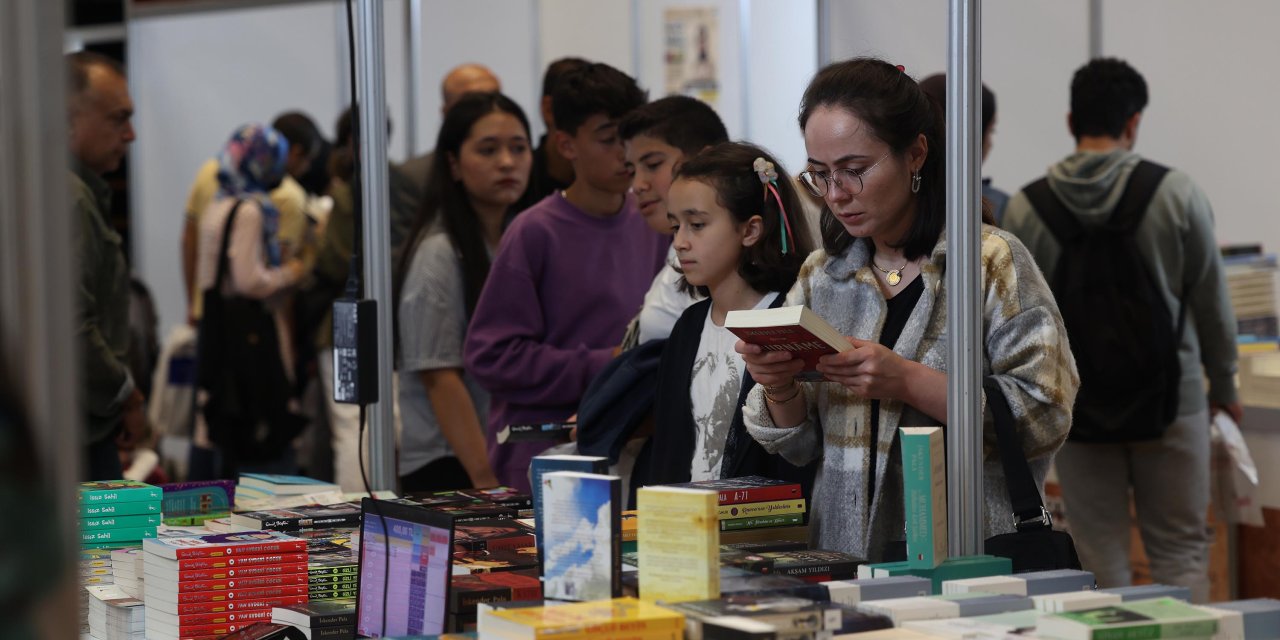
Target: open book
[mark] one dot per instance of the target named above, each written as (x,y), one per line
(796,329)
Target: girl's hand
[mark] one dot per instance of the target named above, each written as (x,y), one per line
(870,370)
(769,368)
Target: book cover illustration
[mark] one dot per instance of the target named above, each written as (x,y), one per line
(583,542)
(192,503)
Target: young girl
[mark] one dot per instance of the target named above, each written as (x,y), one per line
(876,159)
(731,208)
(477,183)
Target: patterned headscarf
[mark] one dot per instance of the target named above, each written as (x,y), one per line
(251,163)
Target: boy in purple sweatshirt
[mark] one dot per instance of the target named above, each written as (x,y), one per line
(570,273)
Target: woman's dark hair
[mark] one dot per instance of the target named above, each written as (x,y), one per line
(728,168)
(447,197)
(897,111)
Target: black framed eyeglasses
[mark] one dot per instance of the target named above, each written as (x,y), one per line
(849,180)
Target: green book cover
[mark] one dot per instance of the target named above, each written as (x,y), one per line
(126,534)
(118,491)
(924,484)
(951,569)
(760,522)
(119,522)
(1138,620)
(104,509)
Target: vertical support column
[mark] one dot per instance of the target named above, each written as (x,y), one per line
(744,64)
(375,199)
(824,33)
(412,74)
(964,279)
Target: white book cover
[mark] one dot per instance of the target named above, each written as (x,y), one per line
(991,584)
(1074,601)
(583,545)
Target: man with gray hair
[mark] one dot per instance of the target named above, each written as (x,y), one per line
(461,80)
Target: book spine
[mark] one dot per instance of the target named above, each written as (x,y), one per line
(226,573)
(138,494)
(757,509)
(465,601)
(102,510)
(825,571)
(770,493)
(924,480)
(240,617)
(1194,629)
(349,578)
(733,524)
(237,595)
(497,544)
(550,431)
(338,632)
(331,595)
(347,570)
(615,537)
(241,583)
(210,630)
(224,562)
(260,548)
(233,607)
(295,524)
(332,620)
(123,534)
(120,522)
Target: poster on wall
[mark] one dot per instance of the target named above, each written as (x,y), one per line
(692,40)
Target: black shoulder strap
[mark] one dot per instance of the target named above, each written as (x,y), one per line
(1061,222)
(1132,206)
(223,265)
(1024,495)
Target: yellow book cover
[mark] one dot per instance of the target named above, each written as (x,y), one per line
(754,509)
(597,619)
(630,522)
(678,541)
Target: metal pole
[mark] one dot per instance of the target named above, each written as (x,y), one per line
(964,280)
(1095,29)
(824,33)
(744,63)
(38,275)
(413,75)
(371,94)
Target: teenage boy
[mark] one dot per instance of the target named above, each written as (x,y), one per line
(569,274)
(660,136)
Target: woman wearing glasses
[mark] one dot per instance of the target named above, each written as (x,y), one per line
(876,158)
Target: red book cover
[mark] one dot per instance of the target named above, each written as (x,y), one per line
(524,585)
(796,339)
(208,630)
(748,489)
(247,543)
(187,564)
(243,617)
(230,584)
(250,571)
(246,605)
(229,595)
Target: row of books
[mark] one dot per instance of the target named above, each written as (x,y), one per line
(116,513)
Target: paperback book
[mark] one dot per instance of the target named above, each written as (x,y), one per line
(541,465)
(795,329)
(678,544)
(345,514)
(194,503)
(583,540)
(748,489)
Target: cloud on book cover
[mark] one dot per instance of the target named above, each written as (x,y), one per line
(579,566)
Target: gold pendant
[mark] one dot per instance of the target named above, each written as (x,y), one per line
(894,277)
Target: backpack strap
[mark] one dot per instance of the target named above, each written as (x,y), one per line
(1138,192)
(1062,223)
(223,262)
(1024,495)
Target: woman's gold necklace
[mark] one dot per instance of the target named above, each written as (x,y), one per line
(892,276)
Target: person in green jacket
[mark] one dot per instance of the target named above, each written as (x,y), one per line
(99,111)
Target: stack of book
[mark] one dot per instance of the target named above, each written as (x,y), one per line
(754,508)
(127,570)
(118,513)
(1251,284)
(597,619)
(332,577)
(212,585)
(327,620)
(341,515)
(959,605)
(810,565)
(467,592)
(267,490)
(114,614)
(95,570)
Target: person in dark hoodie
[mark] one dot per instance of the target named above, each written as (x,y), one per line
(1169,475)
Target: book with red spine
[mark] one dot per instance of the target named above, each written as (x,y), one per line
(227,562)
(796,329)
(223,606)
(225,545)
(225,595)
(748,489)
(230,584)
(224,617)
(226,573)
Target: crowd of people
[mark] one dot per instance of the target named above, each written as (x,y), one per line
(528,272)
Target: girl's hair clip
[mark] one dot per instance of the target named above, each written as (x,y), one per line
(901,68)
(765,170)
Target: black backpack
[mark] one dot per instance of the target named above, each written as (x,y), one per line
(1122,333)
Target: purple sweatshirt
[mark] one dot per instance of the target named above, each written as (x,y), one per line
(561,290)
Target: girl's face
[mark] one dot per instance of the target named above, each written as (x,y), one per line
(494,161)
(837,139)
(652,162)
(708,240)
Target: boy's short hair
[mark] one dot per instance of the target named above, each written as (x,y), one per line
(595,88)
(1105,93)
(685,123)
(557,70)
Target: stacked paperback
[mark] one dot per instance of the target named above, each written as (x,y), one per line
(330,619)
(127,570)
(118,513)
(267,490)
(114,615)
(208,586)
(614,619)
(95,570)
(755,508)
